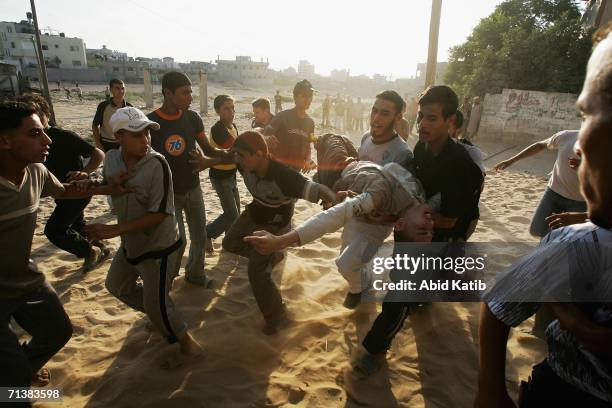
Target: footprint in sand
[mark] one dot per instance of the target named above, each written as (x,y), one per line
(520,220)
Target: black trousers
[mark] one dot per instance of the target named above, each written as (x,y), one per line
(65,224)
(546,389)
(41,314)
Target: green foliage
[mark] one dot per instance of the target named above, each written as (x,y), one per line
(536,45)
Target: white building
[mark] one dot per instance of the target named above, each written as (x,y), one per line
(306,69)
(244,71)
(340,75)
(59,51)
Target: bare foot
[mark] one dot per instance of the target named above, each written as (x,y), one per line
(42,378)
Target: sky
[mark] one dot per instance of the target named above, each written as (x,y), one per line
(387,37)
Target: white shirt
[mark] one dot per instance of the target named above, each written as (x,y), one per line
(395,150)
(564,180)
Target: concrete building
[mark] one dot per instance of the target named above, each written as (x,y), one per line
(103,54)
(441,67)
(306,69)
(59,51)
(340,75)
(245,71)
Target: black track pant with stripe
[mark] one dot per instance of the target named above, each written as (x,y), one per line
(150,296)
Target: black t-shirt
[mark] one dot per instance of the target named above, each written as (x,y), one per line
(293,134)
(103,114)
(222,139)
(274,195)
(456,178)
(175,139)
(66,152)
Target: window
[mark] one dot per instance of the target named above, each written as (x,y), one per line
(115,69)
(56,46)
(45,47)
(130,69)
(9,29)
(76,63)
(74,48)
(12,45)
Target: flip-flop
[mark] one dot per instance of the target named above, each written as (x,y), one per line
(366,365)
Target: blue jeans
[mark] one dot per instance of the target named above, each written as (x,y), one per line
(192,203)
(552,203)
(227,190)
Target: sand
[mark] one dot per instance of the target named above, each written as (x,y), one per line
(113,360)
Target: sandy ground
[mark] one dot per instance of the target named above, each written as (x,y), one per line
(112,359)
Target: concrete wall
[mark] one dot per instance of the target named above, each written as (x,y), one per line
(525,116)
(68,75)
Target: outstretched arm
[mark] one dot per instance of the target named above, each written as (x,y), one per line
(492,390)
(529,151)
(97,232)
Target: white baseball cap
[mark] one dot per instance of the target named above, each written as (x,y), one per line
(132,119)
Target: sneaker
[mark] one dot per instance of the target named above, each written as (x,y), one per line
(203,281)
(95,258)
(352,300)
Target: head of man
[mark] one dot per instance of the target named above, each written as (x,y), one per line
(177,91)
(261,110)
(595,138)
(436,113)
(302,95)
(22,136)
(40,104)
(415,225)
(387,110)
(131,129)
(250,150)
(117,88)
(455,126)
(224,106)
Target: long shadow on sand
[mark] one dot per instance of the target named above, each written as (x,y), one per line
(235,370)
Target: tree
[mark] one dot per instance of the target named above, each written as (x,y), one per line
(536,45)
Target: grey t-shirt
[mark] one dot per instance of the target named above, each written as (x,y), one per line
(393,151)
(18,209)
(151,180)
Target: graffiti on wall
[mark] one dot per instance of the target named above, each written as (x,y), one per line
(539,104)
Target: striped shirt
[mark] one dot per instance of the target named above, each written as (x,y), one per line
(572,263)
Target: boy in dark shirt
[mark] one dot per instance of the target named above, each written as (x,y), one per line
(294,130)
(181,131)
(444,167)
(275,188)
(65,161)
(223,176)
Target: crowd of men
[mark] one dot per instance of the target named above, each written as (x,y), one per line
(430,193)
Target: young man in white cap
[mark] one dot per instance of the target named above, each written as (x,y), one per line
(150,238)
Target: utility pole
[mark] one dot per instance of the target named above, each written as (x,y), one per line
(41,63)
(434,32)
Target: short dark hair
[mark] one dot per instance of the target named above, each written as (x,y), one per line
(459,120)
(394,97)
(220,100)
(251,141)
(443,95)
(262,103)
(12,114)
(173,80)
(114,81)
(38,102)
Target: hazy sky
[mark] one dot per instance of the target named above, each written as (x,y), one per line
(378,36)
